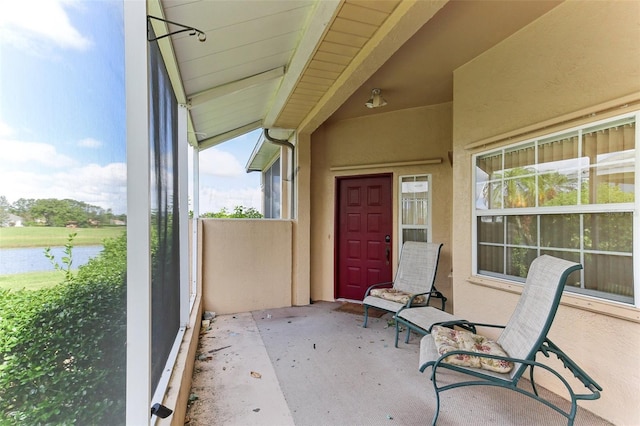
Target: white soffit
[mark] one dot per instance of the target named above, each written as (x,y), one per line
(232,80)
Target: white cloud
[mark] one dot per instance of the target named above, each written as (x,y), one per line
(103,186)
(224,182)
(90,143)
(212,200)
(26,23)
(34,154)
(37,170)
(5,130)
(216,162)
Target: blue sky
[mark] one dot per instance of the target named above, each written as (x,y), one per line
(223,180)
(62,111)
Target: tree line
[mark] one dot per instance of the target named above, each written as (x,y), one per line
(54,212)
(239,212)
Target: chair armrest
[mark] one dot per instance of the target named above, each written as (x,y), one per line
(366,293)
(438,295)
(549,347)
(464,324)
(440,361)
(433,293)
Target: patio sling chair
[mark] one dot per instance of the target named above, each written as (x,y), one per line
(413,284)
(504,361)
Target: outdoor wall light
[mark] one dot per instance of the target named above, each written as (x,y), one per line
(376,100)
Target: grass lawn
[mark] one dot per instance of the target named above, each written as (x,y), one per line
(31,280)
(44,236)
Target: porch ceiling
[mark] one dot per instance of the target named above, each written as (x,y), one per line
(293,64)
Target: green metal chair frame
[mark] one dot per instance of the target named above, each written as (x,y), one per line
(416,275)
(523,337)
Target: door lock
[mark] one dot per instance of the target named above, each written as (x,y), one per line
(387,239)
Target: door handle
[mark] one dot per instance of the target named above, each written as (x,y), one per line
(387,239)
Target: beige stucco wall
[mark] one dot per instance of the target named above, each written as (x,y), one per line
(246,264)
(380,139)
(578,56)
(301,226)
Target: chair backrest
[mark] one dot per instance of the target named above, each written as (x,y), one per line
(531,320)
(418,266)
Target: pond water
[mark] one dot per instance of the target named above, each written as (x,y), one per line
(20,260)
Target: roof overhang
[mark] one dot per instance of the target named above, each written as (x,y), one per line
(262,156)
(294,64)
(240,78)
(278,63)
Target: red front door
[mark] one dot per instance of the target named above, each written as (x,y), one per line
(363,252)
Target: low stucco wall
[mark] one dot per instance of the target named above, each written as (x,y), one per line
(580,55)
(246,264)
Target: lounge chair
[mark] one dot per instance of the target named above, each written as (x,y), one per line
(413,284)
(503,362)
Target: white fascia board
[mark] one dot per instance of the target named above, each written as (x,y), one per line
(256,149)
(318,23)
(263,154)
(223,137)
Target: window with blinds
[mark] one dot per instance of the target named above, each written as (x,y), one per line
(272,184)
(415,209)
(570,195)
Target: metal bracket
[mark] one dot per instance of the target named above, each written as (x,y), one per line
(193,31)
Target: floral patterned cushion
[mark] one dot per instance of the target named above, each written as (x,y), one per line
(448,340)
(397,296)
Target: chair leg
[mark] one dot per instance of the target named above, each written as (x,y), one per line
(406,339)
(574,410)
(397,332)
(533,383)
(435,415)
(366,316)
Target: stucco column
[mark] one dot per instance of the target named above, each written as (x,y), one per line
(301,271)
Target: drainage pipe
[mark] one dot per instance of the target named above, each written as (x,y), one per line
(291,173)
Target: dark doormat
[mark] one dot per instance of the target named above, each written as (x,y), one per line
(358,309)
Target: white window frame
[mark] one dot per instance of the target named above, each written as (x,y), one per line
(138,219)
(427,224)
(139,395)
(267,183)
(634,207)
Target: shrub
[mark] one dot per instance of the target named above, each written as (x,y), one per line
(62,349)
(239,212)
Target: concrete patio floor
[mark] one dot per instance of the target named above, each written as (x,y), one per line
(313,365)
